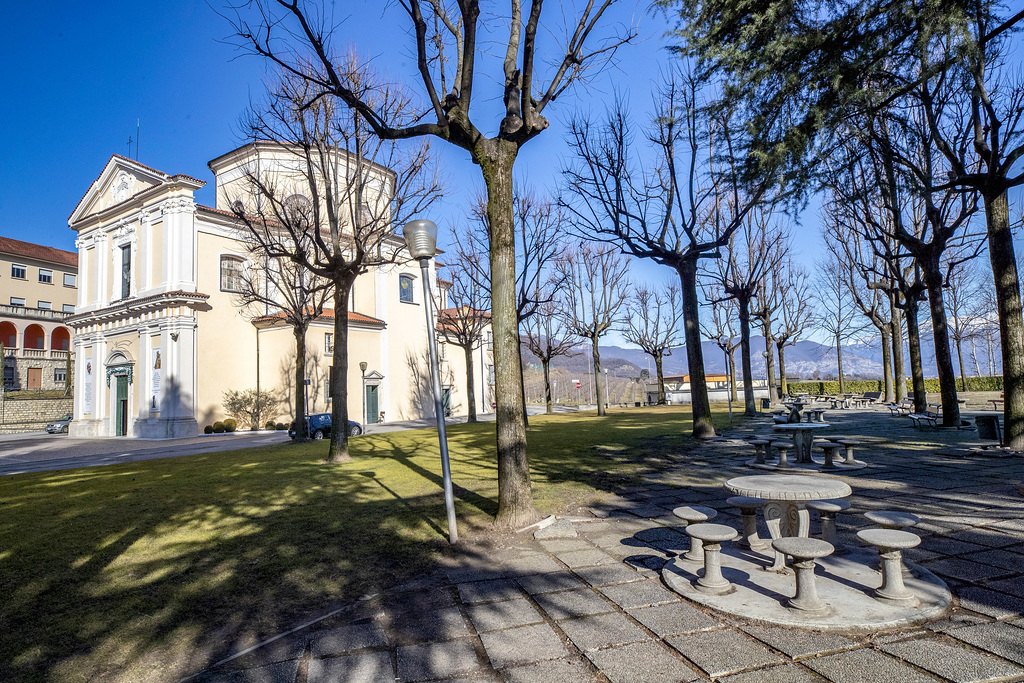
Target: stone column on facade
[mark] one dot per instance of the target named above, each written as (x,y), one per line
(179,244)
(380,286)
(145,249)
(101,256)
(100,409)
(144,373)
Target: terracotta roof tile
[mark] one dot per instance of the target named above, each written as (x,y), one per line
(328,313)
(38,252)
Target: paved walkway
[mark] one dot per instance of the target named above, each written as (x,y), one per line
(593,607)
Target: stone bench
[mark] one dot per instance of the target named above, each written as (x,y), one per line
(694,514)
(804,552)
(711,537)
(848,445)
(815,414)
(831,451)
(891,543)
(748,507)
(828,511)
(760,447)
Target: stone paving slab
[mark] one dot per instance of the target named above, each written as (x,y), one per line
(549,583)
(607,574)
(522,645)
(952,662)
(1001,638)
(374,667)
(642,663)
(867,665)
(506,614)
(993,603)
(436,660)
(553,671)
(800,644)
(639,594)
(282,672)
(347,639)
(602,630)
(674,619)
(489,591)
(722,652)
(785,673)
(573,604)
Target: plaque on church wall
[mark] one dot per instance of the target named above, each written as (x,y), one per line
(87,398)
(154,385)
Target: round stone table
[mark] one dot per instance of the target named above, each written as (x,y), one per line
(802,438)
(794,409)
(786,496)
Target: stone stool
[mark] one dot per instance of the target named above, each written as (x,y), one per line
(694,514)
(831,451)
(748,510)
(828,510)
(783,449)
(891,519)
(711,536)
(760,445)
(891,543)
(849,444)
(804,551)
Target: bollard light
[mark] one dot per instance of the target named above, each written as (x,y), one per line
(421,239)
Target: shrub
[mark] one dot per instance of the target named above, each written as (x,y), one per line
(230,425)
(271,424)
(281,426)
(246,407)
(218,427)
(208,429)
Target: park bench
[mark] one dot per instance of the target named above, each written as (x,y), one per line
(997,403)
(896,409)
(927,418)
(873,396)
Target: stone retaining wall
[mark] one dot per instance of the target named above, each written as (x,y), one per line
(32,414)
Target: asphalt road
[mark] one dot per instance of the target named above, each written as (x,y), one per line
(39,451)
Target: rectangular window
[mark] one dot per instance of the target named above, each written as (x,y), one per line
(328,342)
(70,279)
(68,308)
(126,271)
(405,289)
(46,276)
(44,305)
(442,353)
(230,274)
(18,272)
(60,375)
(17,301)
(490,374)
(8,375)
(490,340)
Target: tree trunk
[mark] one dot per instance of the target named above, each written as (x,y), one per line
(749,407)
(300,383)
(515,497)
(839,361)
(703,426)
(960,360)
(339,383)
(899,371)
(914,346)
(470,388)
(943,358)
(598,384)
(1011,321)
(661,378)
(522,388)
(886,360)
(549,406)
(769,361)
(782,368)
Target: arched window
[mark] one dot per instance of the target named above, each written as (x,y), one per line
(298,209)
(8,335)
(60,339)
(35,337)
(406,288)
(231,273)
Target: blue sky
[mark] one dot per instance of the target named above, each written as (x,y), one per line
(78,76)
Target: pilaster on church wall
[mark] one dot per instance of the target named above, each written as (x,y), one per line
(179,248)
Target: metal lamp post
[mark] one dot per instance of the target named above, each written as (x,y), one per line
(362,373)
(421,239)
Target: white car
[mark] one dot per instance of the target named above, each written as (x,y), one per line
(59,426)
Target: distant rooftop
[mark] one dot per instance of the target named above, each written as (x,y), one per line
(38,252)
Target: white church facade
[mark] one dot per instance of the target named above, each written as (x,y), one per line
(159,335)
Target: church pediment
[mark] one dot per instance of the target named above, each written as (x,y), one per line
(120,180)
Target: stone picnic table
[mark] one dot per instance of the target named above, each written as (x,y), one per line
(802,437)
(786,497)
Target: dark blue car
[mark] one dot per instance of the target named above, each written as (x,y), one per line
(319,426)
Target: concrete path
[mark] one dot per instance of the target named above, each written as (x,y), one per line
(593,607)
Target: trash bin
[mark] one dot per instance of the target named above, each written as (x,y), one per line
(766,404)
(988,428)
(636,404)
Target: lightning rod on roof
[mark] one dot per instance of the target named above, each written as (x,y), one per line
(137,129)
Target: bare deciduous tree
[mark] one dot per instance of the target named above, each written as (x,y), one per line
(279,289)
(449,44)
(653,320)
(595,292)
(721,330)
(331,197)
(546,337)
(796,313)
(835,311)
(463,323)
(664,212)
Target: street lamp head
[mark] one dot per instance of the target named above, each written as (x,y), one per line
(421,238)
(362,367)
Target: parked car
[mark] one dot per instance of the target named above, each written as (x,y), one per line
(59,426)
(318,426)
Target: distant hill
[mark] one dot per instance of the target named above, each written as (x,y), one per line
(804,359)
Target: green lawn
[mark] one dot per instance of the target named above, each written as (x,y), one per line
(149,570)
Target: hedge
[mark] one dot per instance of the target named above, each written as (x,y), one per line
(861,386)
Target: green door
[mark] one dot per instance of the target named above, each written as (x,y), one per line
(121,406)
(371,403)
